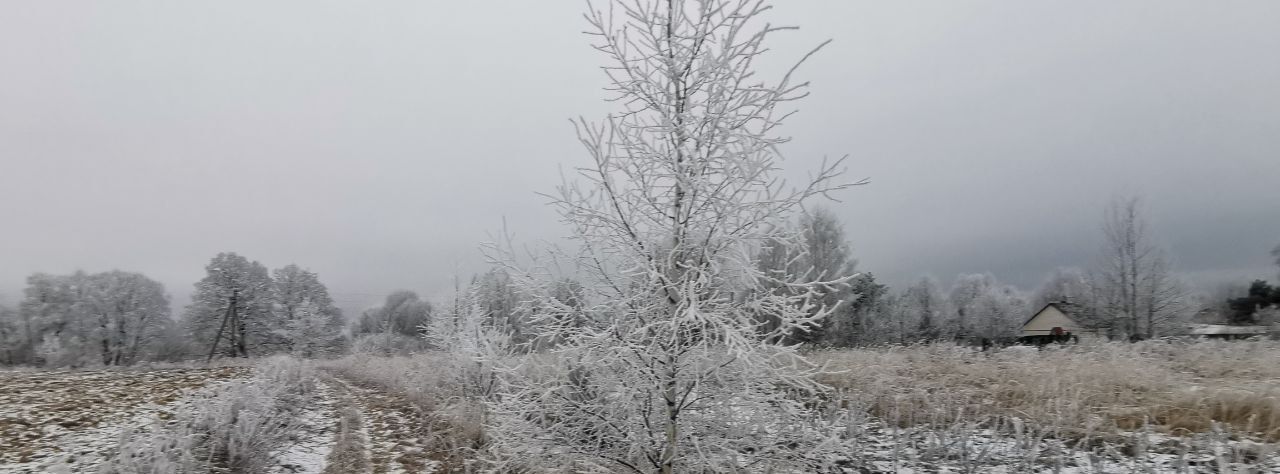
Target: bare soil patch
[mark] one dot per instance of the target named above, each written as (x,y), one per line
(66,415)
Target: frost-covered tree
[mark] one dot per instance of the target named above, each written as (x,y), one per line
(878,318)
(54,324)
(824,256)
(570,299)
(308,322)
(997,312)
(173,344)
(11,339)
(675,375)
(570,293)
(1165,300)
(1064,285)
(233,301)
(109,318)
(966,292)
(22,329)
(853,321)
(396,327)
(497,298)
(923,313)
(129,312)
(402,312)
(313,331)
(1139,293)
(986,308)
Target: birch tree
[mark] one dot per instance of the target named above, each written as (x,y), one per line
(1140,292)
(825,256)
(678,197)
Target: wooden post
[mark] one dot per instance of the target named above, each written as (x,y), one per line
(237,329)
(231,305)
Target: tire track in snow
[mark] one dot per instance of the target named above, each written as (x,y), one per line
(391,428)
(312,444)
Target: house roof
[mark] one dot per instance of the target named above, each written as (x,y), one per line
(1067,309)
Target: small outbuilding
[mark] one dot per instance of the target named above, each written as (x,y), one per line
(1055,319)
(1223,331)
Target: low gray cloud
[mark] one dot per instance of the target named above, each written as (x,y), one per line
(377,144)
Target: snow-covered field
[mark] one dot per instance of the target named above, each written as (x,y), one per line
(139,420)
(876,447)
(905,409)
(67,421)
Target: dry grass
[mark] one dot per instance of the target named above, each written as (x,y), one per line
(440,396)
(235,428)
(1151,406)
(1177,388)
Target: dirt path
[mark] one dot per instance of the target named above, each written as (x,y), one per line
(63,421)
(311,446)
(386,427)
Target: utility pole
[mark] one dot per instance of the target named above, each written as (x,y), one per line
(230,314)
(238,326)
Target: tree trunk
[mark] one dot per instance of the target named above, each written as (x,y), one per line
(673,418)
(121,341)
(103,324)
(242,349)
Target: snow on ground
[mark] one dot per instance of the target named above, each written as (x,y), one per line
(310,447)
(68,421)
(877,448)
(392,430)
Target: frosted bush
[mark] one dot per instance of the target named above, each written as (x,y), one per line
(230,428)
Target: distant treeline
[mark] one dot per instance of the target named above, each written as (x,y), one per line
(119,318)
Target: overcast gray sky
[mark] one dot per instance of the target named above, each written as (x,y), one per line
(378,142)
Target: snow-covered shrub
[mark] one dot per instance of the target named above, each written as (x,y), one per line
(229,428)
(387,344)
(313,333)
